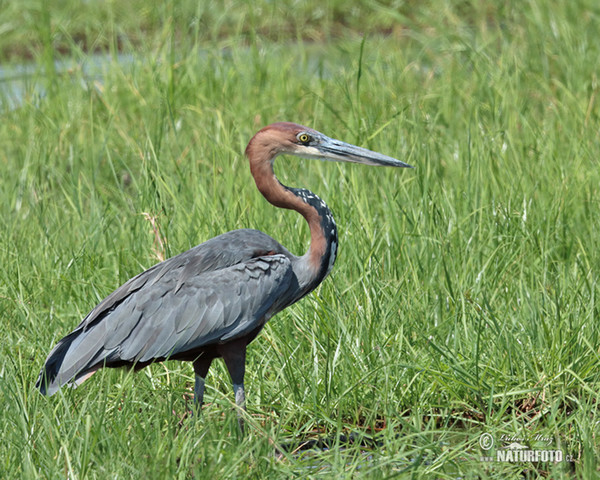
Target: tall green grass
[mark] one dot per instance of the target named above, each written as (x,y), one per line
(464,299)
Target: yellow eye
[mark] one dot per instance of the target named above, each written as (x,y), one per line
(304,138)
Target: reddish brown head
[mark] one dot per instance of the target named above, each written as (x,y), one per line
(275,139)
(290,138)
(285,137)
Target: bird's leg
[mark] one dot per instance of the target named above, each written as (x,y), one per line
(235,359)
(201,366)
(199,392)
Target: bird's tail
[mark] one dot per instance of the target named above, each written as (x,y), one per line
(59,371)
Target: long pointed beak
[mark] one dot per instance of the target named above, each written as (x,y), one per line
(338,151)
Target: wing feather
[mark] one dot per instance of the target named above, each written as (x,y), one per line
(204,312)
(172,318)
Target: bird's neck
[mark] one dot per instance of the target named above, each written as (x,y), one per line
(323,234)
(319,259)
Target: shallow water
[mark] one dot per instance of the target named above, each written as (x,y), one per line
(26,82)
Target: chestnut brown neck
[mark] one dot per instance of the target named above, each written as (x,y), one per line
(323,232)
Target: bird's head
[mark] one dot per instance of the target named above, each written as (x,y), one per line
(292,139)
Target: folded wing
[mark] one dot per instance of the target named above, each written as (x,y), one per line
(175,307)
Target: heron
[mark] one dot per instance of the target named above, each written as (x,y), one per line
(212,300)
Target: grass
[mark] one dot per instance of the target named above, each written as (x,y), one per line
(465,297)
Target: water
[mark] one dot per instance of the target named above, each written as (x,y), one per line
(26,82)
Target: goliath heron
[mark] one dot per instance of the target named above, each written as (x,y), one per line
(213,300)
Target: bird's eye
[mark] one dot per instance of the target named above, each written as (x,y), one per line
(304,138)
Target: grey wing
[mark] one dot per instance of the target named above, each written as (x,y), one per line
(174,315)
(223,251)
(211,308)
